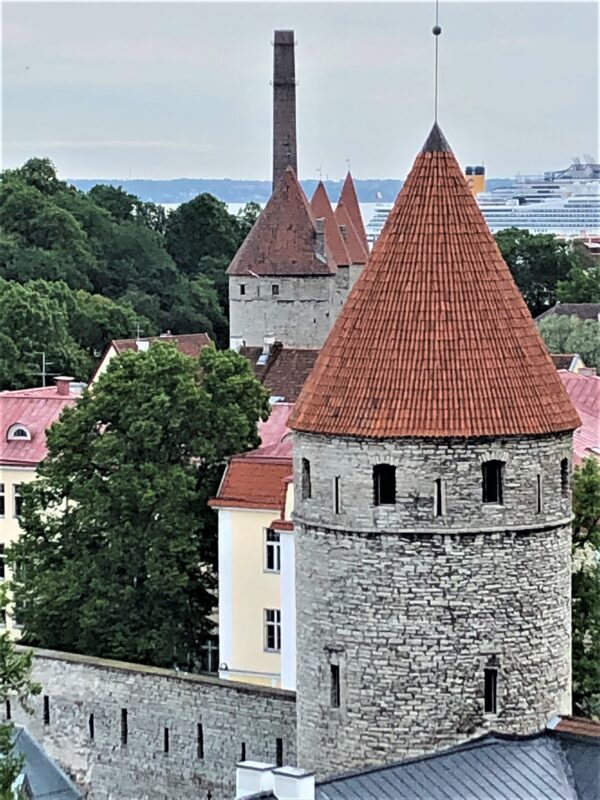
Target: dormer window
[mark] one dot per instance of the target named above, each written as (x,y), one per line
(18,432)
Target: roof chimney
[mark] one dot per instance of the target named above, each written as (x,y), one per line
(142,345)
(63,385)
(293,783)
(320,242)
(284,105)
(252,777)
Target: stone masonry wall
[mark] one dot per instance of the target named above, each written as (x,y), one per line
(411,607)
(155,699)
(299,316)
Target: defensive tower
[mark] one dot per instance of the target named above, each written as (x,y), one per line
(432,453)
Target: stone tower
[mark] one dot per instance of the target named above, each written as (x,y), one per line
(284,105)
(432,448)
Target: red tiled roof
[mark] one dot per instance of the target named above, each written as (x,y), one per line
(282,525)
(358,253)
(321,207)
(283,239)
(578,726)
(435,338)
(286,370)
(190,344)
(349,199)
(36,409)
(584,391)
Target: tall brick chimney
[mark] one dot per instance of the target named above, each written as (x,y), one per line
(284,104)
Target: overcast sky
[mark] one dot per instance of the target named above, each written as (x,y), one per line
(164,90)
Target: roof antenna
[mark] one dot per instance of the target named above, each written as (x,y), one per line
(436,30)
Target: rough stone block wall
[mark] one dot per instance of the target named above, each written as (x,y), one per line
(410,607)
(299,316)
(155,699)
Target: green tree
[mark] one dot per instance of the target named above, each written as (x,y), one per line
(582,286)
(537,262)
(586,588)
(246,217)
(15,683)
(564,334)
(118,553)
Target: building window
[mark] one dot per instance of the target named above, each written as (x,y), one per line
(17,500)
(279,752)
(272,551)
(273,629)
(124,726)
(243,752)
(306,484)
(2,500)
(384,484)
(200,741)
(91,727)
(492,473)
(335,685)
(46,710)
(336,494)
(490,686)
(242,288)
(439,498)
(18,432)
(8,711)
(274,289)
(538,493)
(166,740)
(564,476)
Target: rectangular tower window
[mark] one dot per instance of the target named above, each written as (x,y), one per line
(336,494)
(272,551)
(17,500)
(439,500)
(274,289)
(335,685)
(46,710)
(538,494)
(8,710)
(564,476)
(91,726)
(279,752)
(306,483)
(200,741)
(166,740)
(242,288)
(273,629)
(243,752)
(124,728)
(490,678)
(492,474)
(384,484)
(2,500)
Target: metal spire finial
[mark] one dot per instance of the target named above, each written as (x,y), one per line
(436,30)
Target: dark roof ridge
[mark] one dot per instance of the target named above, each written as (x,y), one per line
(436,141)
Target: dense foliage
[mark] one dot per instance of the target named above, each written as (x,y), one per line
(118,552)
(119,264)
(586,588)
(564,334)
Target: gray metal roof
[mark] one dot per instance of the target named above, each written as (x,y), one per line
(45,778)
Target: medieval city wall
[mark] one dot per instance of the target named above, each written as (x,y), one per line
(81,725)
(409,609)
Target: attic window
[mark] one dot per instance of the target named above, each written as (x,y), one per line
(18,432)
(384,484)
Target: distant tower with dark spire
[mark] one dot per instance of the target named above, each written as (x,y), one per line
(284,105)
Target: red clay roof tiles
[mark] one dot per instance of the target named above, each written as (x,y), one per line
(283,240)
(358,253)
(349,199)
(190,344)
(321,207)
(286,370)
(435,338)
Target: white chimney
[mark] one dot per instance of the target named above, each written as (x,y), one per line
(252,777)
(293,783)
(142,345)
(236,342)
(268,342)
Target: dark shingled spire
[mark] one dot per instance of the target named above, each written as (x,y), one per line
(436,141)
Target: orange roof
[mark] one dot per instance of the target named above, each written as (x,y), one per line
(435,338)
(253,483)
(190,344)
(578,726)
(358,253)
(349,199)
(283,240)
(321,207)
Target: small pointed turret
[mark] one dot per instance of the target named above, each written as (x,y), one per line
(321,208)
(349,199)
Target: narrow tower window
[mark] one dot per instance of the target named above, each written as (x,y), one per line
(335,685)
(490,679)
(306,484)
(279,752)
(200,741)
(243,752)
(336,495)
(564,476)
(124,730)
(538,494)
(492,474)
(242,288)
(384,484)
(46,710)
(274,289)
(166,740)
(91,726)
(439,502)
(8,710)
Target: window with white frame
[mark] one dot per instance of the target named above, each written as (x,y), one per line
(273,629)
(2,500)
(272,551)
(17,500)
(18,432)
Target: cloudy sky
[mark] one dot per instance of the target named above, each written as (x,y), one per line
(181,89)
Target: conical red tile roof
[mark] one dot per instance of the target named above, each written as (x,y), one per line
(435,339)
(321,207)
(349,198)
(283,239)
(358,254)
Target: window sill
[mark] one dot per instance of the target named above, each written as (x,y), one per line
(271,571)
(275,652)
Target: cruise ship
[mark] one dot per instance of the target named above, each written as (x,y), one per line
(564,202)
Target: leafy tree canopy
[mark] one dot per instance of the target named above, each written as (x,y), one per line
(571,335)
(118,552)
